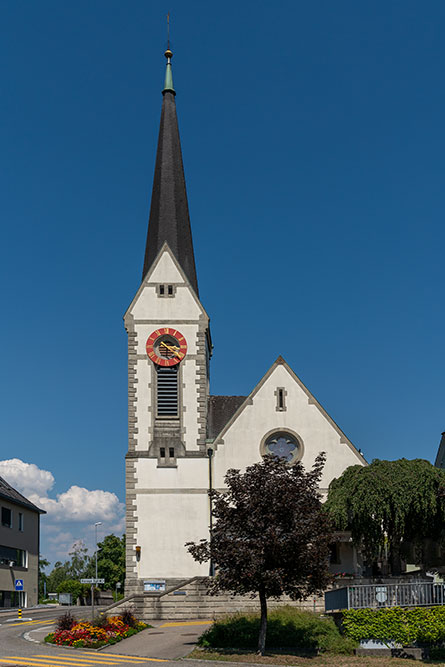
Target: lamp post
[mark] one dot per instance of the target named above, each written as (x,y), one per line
(98,523)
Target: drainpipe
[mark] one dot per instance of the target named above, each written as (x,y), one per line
(210,454)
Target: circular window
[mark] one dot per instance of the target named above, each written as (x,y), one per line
(284,444)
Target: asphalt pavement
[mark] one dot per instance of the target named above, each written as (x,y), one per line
(21,643)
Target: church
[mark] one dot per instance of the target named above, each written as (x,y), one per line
(182,438)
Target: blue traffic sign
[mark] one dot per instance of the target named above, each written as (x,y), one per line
(19,584)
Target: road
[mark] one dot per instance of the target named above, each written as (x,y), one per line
(169,642)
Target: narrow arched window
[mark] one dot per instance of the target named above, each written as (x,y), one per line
(167,391)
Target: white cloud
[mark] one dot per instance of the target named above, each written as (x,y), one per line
(26,477)
(70,515)
(79,504)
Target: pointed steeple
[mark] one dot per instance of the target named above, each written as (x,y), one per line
(169,215)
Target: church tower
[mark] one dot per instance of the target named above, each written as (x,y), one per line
(169,348)
(181,439)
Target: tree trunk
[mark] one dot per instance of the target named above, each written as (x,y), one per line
(263,622)
(395,557)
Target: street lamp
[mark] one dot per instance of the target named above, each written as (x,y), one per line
(98,523)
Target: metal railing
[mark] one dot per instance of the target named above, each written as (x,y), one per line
(377,596)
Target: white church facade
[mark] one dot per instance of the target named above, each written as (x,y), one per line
(183,439)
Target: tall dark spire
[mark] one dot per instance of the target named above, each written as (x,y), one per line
(169,214)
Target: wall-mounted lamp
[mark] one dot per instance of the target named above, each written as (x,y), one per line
(138,553)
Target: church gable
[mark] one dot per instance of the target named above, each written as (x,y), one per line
(165,285)
(281,411)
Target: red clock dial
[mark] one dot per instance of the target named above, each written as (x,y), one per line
(166,346)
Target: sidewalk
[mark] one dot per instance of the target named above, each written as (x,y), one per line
(168,640)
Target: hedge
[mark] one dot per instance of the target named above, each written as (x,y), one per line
(424,625)
(287,628)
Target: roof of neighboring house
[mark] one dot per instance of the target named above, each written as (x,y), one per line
(440,458)
(221,410)
(9,493)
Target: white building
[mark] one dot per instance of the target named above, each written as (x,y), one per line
(178,432)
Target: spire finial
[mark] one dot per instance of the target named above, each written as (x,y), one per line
(168,85)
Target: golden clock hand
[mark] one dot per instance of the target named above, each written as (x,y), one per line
(173,348)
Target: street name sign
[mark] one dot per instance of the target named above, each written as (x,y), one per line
(92,581)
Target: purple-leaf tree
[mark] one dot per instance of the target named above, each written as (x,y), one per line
(270,534)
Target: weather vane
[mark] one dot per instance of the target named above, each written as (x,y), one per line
(168,31)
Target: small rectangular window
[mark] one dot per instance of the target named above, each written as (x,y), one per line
(171,452)
(280,399)
(6,517)
(21,521)
(161,290)
(162,452)
(170,290)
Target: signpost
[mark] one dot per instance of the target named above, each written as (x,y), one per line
(19,584)
(92,581)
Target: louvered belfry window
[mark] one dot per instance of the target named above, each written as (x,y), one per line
(167,391)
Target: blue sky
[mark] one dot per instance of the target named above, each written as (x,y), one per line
(314,153)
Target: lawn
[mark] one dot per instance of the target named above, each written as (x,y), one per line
(311,661)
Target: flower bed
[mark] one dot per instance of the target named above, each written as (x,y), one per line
(84,634)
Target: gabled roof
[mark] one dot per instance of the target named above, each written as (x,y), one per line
(440,458)
(220,410)
(9,493)
(169,220)
(248,401)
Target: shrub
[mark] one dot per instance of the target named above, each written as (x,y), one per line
(288,628)
(424,625)
(65,622)
(100,621)
(128,618)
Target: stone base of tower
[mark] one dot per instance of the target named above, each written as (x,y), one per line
(190,600)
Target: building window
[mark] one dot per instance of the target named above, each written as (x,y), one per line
(171,452)
(166,290)
(167,391)
(21,521)
(12,557)
(162,452)
(334,554)
(12,599)
(284,444)
(281,393)
(6,517)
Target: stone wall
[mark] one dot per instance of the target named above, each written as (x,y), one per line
(190,600)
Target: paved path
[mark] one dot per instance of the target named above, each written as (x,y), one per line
(168,640)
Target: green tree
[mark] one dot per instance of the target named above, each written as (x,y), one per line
(56,576)
(388,502)
(72,586)
(43,577)
(79,561)
(271,534)
(110,561)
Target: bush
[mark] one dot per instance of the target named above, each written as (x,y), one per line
(65,622)
(70,586)
(128,618)
(287,628)
(423,625)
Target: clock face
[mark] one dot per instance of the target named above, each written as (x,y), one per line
(166,347)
